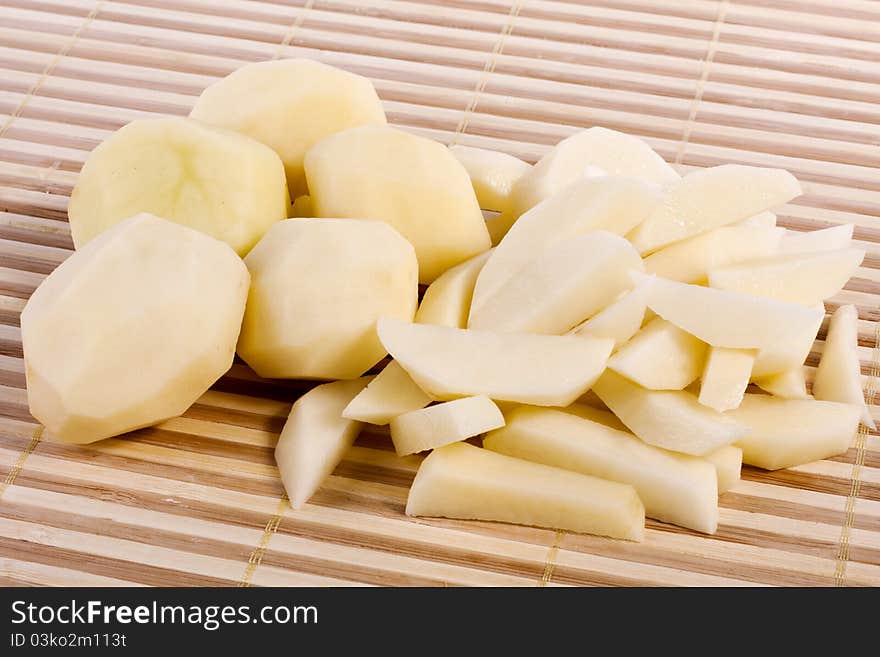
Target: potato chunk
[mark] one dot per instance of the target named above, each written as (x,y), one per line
(492,174)
(290,105)
(131,329)
(318,287)
(390,394)
(447,300)
(219,182)
(660,357)
(414,184)
(449,422)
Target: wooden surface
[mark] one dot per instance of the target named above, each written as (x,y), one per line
(197,501)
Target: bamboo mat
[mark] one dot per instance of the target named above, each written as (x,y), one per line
(197,500)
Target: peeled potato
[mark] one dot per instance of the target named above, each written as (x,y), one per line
(290,105)
(390,394)
(728,465)
(790,384)
(318,287)
(827,239)
(131,329)
(621,320)
(726,377)
(449,422)
(447,300)
(412,183)
(492,174)
(218,182)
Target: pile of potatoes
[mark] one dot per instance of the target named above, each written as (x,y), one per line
(662,296)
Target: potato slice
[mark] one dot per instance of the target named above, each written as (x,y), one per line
(726,377)
(587,412)
(360,270)
(782,332)
(131,329)
(290,105)
(218,182)
(691,260)
(615,153)
(610,204)
(448,363)
(783,433)
(463,481)
(447,301)
(390,394)
(790,384)
(302,207)
(499,225)
(449,422)
(674,488)
(492,174)
(827,239)
(807,279)
(567,283)
(621,320)
(728,465)
(710,198)
(764,219)
(413,183)
(316,437)
(660,357)
(839,375)
(671,419)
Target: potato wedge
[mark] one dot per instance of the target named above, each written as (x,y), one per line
(442,424)
(827,239)
(728,464)
(492,174)
(621,320)
(391,393)
(790,384)
(660,357)
(726,377)
(447,301)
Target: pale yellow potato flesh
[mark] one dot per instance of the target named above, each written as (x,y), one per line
(710,198)
(569,282)
(807,279)
(660,357)
(445,423)
(391,393)
(463,481)
(765,219)
(726,377)
(412,183)
(691,260)
(289,105)
(728,465)
(839,375)
(492,174)
(614,153)
(674,488)
(611,204)
(215,181)
(447,301)
(316,437)
(302,207)
(790,384)
(449,363)
(593,414)
(671,419)
(499,225)
(318,286)
(131,329)
(783,433)
(621,320)
(827,239)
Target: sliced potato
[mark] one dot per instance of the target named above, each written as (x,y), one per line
(593,414)
(827,239)
(449,422)
(391,393)
(764,219)
(290,105)
(410,182)
(448,363)
(316,437)
(674,487)
(218,182)
(671,419)
(728,465)
(620,320)
(463,481)
(492,174)
(726,377)
(710,198)
(302,207)
(790,384)
(499,225)
(447,300)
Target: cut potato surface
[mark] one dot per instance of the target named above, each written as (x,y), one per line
(390,394)
(728,464)
(691,260)
(316,437)
(463,481)
(671,419)
(827,239)
(660,357)
(615,153)
(609,204)
(215,181)
(710,198)
(412,183)
(765,219)
(593,414)
(131,329)
(302,207)
(621,320)
(566,284)
(290,105)
(447,301)
(790,384)
(783,433)
(674,487)
(807,279)
(782,332)
(448,363)
(839,375)
(443,424)
(726,377)
(360,270)
(499,225)
(492,174)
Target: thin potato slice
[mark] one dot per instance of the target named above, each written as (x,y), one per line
(827,239)
(442,424)
(790,384)
(660,357)
(390,394)
(728,464)
(726,377)
(492,174)
(447,301)
(621,320)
